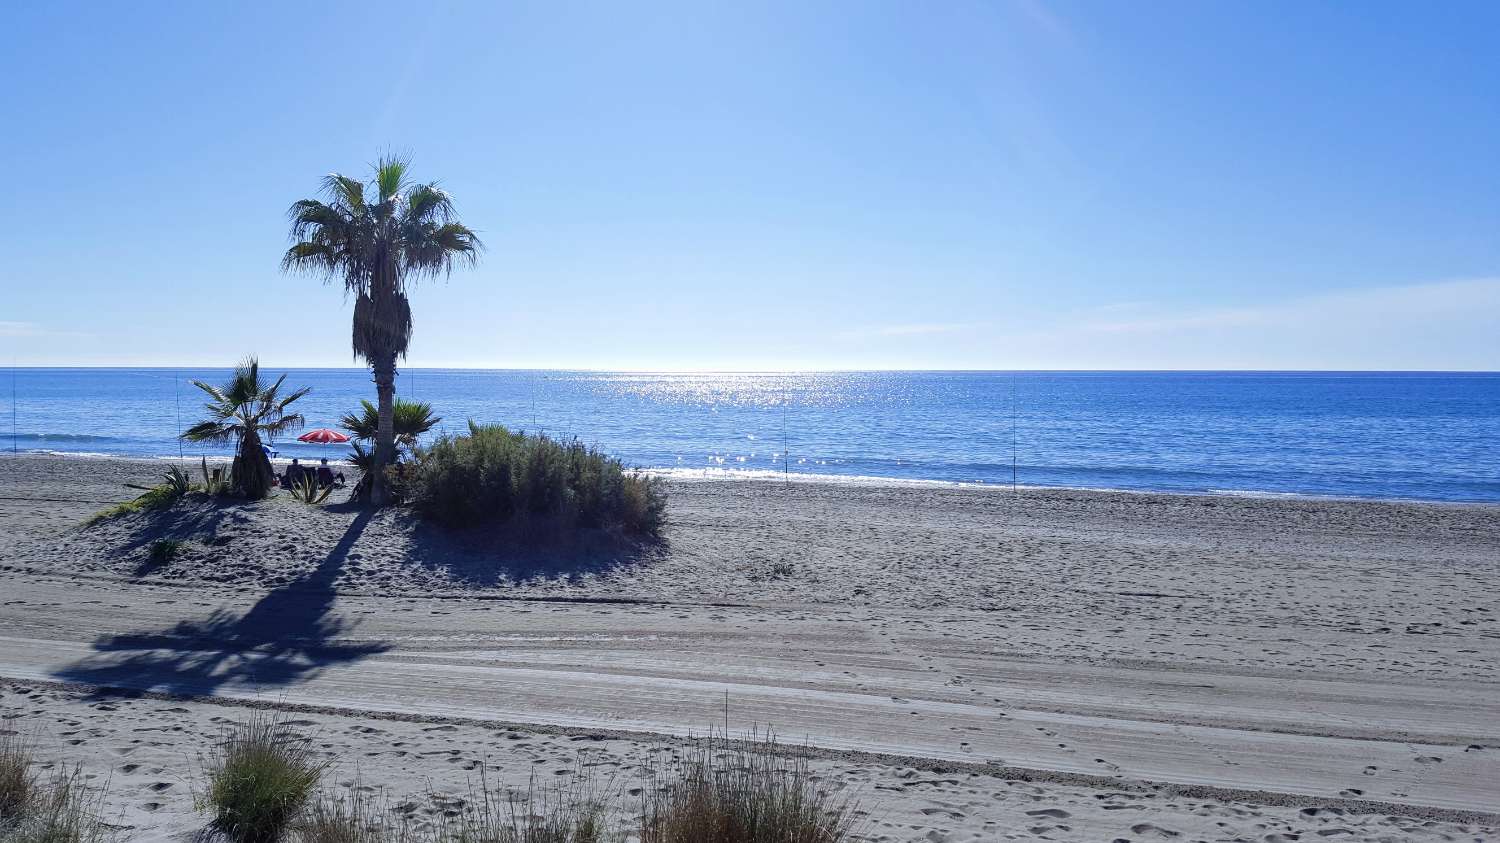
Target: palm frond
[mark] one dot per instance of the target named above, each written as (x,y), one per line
(283,424)
(215,432)
(348,191)
(428,203)
(213,392)
(390,177)
(363,425)
(282,405)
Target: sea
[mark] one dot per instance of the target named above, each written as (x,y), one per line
(1408,435)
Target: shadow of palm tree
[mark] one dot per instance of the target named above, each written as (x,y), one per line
(288,636)
(524,552)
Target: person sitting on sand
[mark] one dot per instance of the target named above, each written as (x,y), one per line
(326,477)
(293,474)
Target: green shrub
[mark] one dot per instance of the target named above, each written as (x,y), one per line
(219,481)
(261,777)
(492,475)
(309,491)
(164,550)
(746,794)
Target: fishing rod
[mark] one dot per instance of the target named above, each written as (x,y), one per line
(15,448)
(177,395)
(786,456)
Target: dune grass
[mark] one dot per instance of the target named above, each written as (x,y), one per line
(17,783)
(156,497)
(743,792)
(493,475)
(261,776)
(163,551)
(559,813)
(61,808)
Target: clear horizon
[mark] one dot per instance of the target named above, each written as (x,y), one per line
(1027,186)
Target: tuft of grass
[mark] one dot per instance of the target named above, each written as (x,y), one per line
(746,793)
(353,818)
(562,813)
(62,809)
(492,475)
(163,551)
(17,783)
(261,777)
(59,809)
(155,497)
(565,812)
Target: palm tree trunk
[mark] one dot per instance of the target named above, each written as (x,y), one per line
(252,472)
(384,367)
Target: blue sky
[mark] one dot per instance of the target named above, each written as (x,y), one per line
(772,185)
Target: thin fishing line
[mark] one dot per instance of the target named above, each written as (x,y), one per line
(15,448)
(177,394)
(786,456)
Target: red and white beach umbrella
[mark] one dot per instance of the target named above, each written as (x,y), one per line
(323,436)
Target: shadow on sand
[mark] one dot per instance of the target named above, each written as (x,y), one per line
(288,636)
(523,552)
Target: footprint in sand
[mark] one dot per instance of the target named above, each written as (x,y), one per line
(1428,759)
(1054,813)
(1154,831)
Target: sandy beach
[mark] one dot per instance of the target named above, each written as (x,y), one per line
(974,664)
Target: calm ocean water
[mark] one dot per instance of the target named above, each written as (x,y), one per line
(1407,435)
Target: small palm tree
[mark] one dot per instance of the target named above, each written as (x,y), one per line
(410,420)
(374,240)
(244,410)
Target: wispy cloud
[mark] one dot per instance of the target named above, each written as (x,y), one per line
(32,329)
(21,329)
(1433,299)
(916,329)
(1445,324)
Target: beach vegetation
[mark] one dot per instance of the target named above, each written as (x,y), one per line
(17,782)
(61,808)
(353,817)
(261,777)
(557,813)
(216,481)
(308,490)
(411,419)
(752,792)
(155,497)
(247,410)
(375,238)
(163,551)
(492,475)
(563,812)
(175,483)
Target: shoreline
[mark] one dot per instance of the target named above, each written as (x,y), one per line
(732,475)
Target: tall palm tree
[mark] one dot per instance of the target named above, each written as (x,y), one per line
(375,239)
(243,410)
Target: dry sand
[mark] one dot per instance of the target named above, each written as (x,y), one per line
(979,665)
